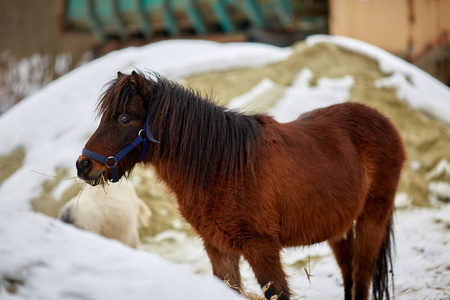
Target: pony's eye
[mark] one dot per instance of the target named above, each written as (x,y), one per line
(124,119)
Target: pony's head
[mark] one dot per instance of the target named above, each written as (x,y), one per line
(120,140)
(199,139)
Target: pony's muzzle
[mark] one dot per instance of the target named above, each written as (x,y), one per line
(87,169)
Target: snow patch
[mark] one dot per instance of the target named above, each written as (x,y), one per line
(301,97)
(257,91)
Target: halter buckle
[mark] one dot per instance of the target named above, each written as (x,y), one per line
(109,159)
(142,133)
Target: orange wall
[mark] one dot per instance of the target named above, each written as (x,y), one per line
(399,26)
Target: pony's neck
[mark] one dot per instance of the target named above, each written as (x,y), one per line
(201,143)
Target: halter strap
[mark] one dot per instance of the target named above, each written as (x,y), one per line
(143,137)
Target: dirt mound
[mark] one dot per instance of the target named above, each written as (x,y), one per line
(427,141)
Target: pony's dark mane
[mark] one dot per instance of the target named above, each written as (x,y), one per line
(197,136)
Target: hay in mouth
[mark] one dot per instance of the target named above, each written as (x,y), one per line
(99,180)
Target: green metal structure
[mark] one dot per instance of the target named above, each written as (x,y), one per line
(147,18)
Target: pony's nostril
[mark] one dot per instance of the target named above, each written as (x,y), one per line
(85,163)
(84,166)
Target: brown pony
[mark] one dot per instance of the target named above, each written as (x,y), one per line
(250,186)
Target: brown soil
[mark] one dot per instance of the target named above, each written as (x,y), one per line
(11,163)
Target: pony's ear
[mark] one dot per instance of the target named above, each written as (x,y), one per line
(137,80)
(140,84)
(119,74)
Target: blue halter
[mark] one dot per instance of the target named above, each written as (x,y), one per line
(144,136)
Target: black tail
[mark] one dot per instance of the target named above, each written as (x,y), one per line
(380,282)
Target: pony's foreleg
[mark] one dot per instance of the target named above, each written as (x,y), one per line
(264,259)
(343,251)
(225,266)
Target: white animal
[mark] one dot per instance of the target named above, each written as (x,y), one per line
(111,211)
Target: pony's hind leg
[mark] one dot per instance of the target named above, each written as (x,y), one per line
(343,251)
(225,266)
(370,247)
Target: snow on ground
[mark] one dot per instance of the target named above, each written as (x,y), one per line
(53,124)
(47,259)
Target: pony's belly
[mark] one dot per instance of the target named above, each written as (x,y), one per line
(314,236)
(330,222)
(296,241)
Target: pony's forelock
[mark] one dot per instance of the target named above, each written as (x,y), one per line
(116,97)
